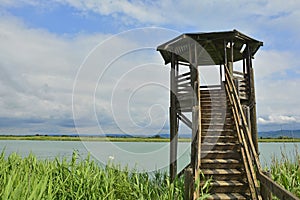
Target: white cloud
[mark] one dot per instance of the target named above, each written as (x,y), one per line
(38,70)
(37,66)
(277,119)
(269,62)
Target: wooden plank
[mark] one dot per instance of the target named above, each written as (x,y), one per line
(265,192)
(183,79)
(183,75)
(188,84)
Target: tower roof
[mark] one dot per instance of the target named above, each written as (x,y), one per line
(213,43)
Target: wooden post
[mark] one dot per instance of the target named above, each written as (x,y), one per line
(196,123)
(265,192)
(188,184)
(253,112)
(230,64)
(173,121)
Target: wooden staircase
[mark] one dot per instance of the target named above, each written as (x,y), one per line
(221,158)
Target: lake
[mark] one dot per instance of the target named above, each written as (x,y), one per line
(144,156)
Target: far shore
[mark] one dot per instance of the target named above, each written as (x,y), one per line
(120,139)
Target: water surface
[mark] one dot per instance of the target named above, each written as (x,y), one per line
(145,156)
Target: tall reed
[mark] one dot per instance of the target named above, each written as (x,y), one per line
(286,172)
(30,178)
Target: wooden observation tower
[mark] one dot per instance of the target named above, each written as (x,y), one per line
(221,115)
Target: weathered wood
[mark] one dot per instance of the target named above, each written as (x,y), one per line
(187,78)
(183,75)
(265,192)
(253,118)
(245,153)
(187,84)
(250,152)
(196,120)
(173,121)
(188,184)
(195,146)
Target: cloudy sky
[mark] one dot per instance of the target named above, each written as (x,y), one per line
(91,66)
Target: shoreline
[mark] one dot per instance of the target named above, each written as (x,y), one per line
(125,139)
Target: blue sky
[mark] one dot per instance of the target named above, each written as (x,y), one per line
(54,56)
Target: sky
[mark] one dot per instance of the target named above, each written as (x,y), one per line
(90,67)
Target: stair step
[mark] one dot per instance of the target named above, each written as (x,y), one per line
(229,186)
(218,138)
(220,154)
(216,132)
(224,174)
(219,146)
(221,171)
(208,101)
(220,161)
(228,196)
(216,119)
(210,93)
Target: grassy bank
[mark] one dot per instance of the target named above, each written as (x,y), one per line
(30,178)
(96,138)
(122,139)
(286,140)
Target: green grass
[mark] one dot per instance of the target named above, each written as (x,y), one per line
(279,140)
(287,172)
(30,178)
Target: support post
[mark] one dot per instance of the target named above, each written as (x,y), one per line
(253,112)
(196,124)
(173,121)
(188,184)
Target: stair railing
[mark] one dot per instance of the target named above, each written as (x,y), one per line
(250,156)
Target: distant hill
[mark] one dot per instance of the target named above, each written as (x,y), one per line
(262,134)
(280,133)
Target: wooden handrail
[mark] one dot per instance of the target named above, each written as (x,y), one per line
(250,152)
(240,122)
